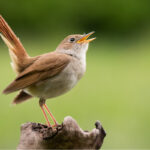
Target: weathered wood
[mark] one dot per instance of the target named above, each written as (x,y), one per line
(68,135)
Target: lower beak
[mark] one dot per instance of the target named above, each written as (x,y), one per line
(84,38)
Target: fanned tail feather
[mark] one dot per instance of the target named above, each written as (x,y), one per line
(16,50)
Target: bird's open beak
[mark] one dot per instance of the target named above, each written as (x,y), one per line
(84,38)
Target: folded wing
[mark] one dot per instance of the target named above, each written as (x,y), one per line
(46,66)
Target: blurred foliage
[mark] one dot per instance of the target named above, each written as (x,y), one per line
(111,16)
(115,88)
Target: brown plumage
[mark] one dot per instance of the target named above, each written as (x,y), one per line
(30,70)
(48,75)
(20,58)
(52,64)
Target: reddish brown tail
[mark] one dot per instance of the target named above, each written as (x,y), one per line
(16,49)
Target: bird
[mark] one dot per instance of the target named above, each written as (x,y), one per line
(48,75)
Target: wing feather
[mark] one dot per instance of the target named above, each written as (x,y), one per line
(48,65)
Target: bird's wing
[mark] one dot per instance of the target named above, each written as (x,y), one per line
(46,66)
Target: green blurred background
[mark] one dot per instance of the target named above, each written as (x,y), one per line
(116,86)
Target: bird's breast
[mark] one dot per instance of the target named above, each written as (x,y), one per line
(59,84)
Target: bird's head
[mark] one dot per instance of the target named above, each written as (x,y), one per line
(75,44)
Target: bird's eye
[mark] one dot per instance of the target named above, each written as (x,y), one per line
(72,39)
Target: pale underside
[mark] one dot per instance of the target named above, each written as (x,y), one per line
(58,84)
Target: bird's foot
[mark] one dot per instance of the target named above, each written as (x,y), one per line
(52,126)
(55,125)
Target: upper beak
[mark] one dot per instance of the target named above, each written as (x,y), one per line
(84,38)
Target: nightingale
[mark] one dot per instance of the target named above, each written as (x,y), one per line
(48,75)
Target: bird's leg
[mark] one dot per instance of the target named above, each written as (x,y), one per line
(45,116)
(41,103)
(56,124)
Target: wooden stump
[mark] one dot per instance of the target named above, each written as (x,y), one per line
(68,135)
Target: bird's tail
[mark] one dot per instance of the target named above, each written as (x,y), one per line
(21,97)
(16,50)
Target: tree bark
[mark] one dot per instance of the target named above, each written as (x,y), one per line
(68,135)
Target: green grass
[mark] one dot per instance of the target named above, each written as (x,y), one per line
(114,90)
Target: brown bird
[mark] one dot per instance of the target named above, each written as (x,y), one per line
(48,75)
